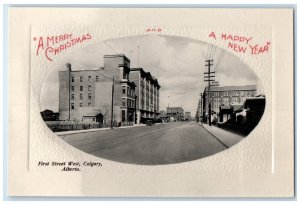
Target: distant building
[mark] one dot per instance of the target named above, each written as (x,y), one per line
(187,116)
(175,113)
(147,94)
(49,115)
(163,116)
(225,97)
(86,95)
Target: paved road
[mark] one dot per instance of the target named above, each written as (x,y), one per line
(150,145)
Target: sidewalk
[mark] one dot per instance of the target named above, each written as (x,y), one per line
(70,132)
(228,138)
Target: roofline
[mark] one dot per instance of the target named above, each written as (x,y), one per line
(116,55)
(238,87)
(148,74)
(78,70)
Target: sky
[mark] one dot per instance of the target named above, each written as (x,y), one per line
(178,63)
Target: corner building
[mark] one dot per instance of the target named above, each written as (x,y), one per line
(86,95)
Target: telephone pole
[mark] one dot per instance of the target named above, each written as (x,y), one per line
(200,108)
(208,77)
(112,102)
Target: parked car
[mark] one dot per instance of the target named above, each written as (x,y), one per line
(152,121)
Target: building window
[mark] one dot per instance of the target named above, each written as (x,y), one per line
(72,88)
(90,88)
(97,78)
(81,88)
(123,116)
(128,91)
(123,102)
(73,79)
(81,97)
(72,106)
(89,96)
(81,104)
(89,79)
(124,90)
(72,96)
(81,78)
(89,104)
(124,74)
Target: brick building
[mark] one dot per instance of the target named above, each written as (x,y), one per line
(147,94)
(226,96)
(175,113)
(86,95)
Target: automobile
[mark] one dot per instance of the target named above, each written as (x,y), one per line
(158,120)
(152,121)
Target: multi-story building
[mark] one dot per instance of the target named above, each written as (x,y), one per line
(175,113)
(147,94)
(226,96)
(86,95)
(200,108)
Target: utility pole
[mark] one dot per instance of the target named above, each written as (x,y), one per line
(200,113)
(208,78)
(112,102)
(135,114)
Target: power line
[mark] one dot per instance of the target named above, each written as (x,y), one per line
(111,47)
(207,51)
(213,51)
(220,57)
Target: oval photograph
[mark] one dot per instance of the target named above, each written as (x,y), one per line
(152,100)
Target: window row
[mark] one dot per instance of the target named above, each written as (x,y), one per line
(128,103)
(80,105)
(233,93)
(130,92)
(81,78)
(81,96)
(81,88)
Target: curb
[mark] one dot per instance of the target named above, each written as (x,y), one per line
(216,138)
(94,130)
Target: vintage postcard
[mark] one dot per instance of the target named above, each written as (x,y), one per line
(151,102)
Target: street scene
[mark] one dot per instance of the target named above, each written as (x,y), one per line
(123,101)
(150,145)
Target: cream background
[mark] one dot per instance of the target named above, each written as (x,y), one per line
(261,165)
